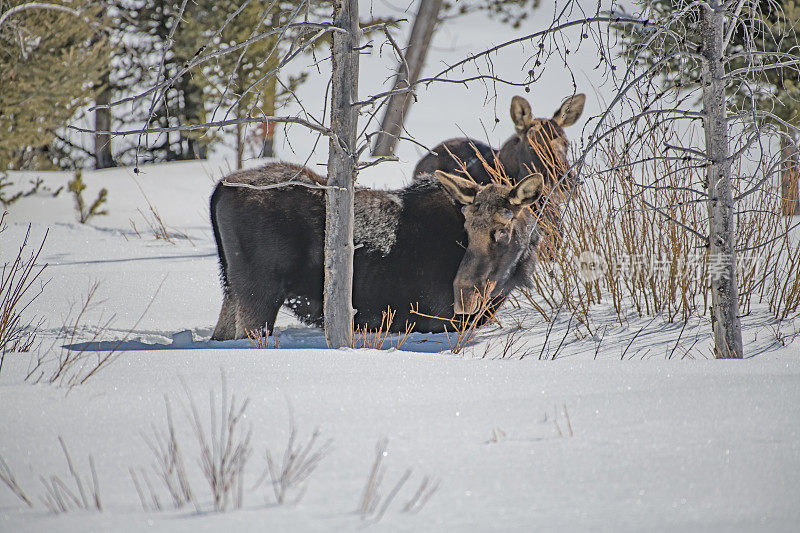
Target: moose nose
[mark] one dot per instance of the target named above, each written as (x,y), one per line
(466,300)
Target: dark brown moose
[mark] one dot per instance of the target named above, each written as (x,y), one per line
(433,245)
(539,145)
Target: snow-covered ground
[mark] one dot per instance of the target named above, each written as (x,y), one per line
(634,431)
(584,442)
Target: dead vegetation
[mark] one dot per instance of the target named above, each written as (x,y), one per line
(67,362)
(290,476)
(169,467)
(17,291)
(363,337)
(224,447)
(375,501)
(155,224)
(7,476)
(59,496)
(259,339)
(639,249)
(464,328)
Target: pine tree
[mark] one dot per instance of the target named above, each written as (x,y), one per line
(49,61)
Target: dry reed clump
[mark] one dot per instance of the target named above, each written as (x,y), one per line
(17,292)
(259,339)
(290,476)
(633,237)
(60,496)
(224,447)
(375,502)
(363,337)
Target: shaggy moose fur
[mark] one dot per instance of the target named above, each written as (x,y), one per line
(413,246)
(539,145)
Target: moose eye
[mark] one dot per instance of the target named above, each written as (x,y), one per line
(464,209)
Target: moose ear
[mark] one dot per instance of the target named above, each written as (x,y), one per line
(570,111)
(462,190)
(521,114)
(527,191)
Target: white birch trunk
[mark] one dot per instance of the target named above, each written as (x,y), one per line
(722,255)
(338,296)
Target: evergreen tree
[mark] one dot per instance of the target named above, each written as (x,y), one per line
(213,87)
(49,61)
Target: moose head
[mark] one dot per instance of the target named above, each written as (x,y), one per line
(500,251)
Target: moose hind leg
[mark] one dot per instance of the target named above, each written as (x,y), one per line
(226,323)
(257,313)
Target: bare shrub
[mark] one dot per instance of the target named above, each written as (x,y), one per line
(142,481)
(69,366)
(224,447)
(374,503)
(17,292)
(152,218)
(634,236)
(157,228)
(464,328)
(299,462)
(512,345)
(169,465)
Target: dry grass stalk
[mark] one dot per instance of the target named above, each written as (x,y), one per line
(58,497)
(374,504)
(569,424)
(259,339)
(16,283)
(512,346)
(7,476)
(224,447)
(153,504)
(497,435)
(155,223)
(427,488)
(299,462)
(465,327)
(158,229)
(169,464)
(363,337)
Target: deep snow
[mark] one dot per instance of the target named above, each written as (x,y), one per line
(657,445)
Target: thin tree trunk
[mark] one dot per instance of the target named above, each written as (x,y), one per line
(268,101)
(239,145)
(102,122)
(790,174)
(338,297)
(416,51)
(239,127)
(722,255)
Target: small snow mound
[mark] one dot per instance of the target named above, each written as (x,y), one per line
(182,339)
